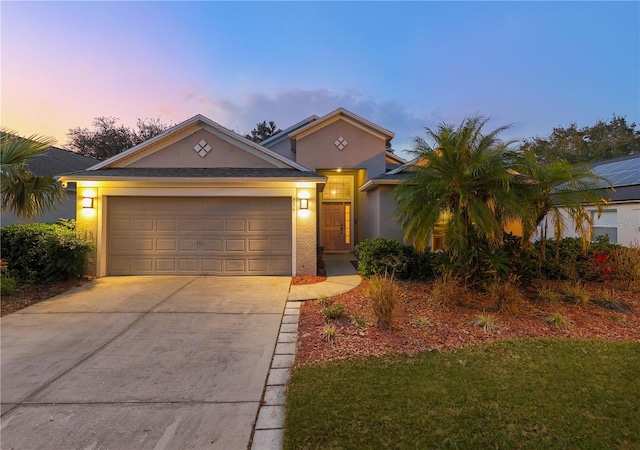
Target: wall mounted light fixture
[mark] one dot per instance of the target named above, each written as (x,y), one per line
(87,202)
(304,203)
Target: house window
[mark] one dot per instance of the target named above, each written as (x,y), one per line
(338,188)
(605,225)
(347,223)
(437,235)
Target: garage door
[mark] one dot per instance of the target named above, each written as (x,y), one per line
(211,236)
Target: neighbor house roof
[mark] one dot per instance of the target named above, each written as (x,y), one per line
(55,161)
(624,175)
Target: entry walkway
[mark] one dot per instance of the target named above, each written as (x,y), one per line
(341,277)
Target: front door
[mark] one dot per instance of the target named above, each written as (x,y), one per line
(336,226)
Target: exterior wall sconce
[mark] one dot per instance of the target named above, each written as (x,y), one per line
(304,203)
(87,202)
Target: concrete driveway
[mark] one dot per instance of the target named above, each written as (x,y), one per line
(141,362)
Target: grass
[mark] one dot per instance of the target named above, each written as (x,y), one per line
(486,321)
(558,320)
(383,293)
(530,393)
(576,293)
(335,311)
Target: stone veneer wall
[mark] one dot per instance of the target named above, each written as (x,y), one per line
(306,240)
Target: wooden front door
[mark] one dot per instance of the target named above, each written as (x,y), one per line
(336,226)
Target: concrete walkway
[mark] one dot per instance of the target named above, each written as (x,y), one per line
(341,277)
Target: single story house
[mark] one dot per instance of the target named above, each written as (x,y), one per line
(620,219)
(54,161)
(201,199)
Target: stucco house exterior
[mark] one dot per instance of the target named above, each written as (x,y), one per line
(54,161)
(201,199)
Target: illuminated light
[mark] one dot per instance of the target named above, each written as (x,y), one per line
(304,203)
(88,212)
(89,193)
(87,202)
(338,170)
(304,213)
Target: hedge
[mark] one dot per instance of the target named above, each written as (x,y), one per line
(40,253)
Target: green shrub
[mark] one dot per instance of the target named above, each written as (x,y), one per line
(575,263)
(324,300)
(7,286)
(506,295)
(381,256)
(626,264)
(359,320)
(42,253)
(329,333)
(447,291)
(608,299)
(575,293)
(335,311)
(547,296)
(384,294)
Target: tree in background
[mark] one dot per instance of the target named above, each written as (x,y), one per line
(263,131)
(604,140)
(108,138)
(23,193)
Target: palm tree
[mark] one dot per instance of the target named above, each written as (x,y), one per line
(466,181)
(24,193)
(558,194)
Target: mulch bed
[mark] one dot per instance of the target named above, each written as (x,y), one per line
(28,295)
(307,279)
(420,326)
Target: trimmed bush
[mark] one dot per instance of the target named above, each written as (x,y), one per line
(41,253)
(382,256)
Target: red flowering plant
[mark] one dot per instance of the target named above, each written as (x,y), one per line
(601,263)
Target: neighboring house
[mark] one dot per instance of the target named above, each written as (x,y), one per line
(620,219)
(54,161)
(201,199)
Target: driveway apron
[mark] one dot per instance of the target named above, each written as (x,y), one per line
(141,362)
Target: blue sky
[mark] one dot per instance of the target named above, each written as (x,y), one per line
(402,65)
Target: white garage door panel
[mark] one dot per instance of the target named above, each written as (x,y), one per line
(217,236)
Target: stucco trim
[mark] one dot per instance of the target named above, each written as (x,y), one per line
(372,184)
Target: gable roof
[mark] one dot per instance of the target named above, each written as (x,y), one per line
(350,117)
(392,177)
(284,134)
(55,161)
(201,122)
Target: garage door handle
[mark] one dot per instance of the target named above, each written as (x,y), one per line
(341,229)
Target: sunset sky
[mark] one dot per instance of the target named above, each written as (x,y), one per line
(402,65)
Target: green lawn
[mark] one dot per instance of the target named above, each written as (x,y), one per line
(532,393)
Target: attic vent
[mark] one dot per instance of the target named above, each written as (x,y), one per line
(341,143)
(202,148)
